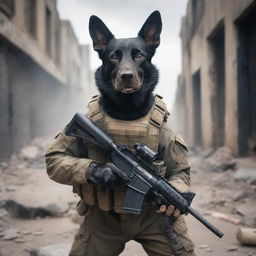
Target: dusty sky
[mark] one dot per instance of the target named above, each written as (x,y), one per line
(124,19)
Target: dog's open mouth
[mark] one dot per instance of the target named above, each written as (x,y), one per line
(128,90)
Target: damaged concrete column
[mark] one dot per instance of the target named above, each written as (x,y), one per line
(218,70)
(6,132)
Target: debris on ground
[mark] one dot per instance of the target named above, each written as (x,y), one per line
(247,174)
(246,236)
(225,217)
(9,234)
(232,249)
(247,213)
(203,246)
(220,181)
(29,152)
(51,250)
(20,211)
(221,160)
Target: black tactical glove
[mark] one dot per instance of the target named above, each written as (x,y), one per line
(106,174)
(153,201)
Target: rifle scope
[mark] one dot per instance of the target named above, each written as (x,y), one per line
(145,152)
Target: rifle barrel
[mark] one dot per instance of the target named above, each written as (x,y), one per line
(205,222)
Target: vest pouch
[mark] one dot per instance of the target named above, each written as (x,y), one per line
(144,130)
(89,194)
(127,132)
(119,194)
(105,198)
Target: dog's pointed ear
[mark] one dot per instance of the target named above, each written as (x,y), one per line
(151,30)
(99,33)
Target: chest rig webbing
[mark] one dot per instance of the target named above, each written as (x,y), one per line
(144,130)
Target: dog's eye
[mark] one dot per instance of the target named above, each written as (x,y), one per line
(114,57)
(139,56)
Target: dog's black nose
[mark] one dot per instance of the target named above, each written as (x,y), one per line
(126,75)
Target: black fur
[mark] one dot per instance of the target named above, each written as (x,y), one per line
(127,77)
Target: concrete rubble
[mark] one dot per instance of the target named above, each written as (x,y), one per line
(27,194)
(9,234)
(219,160)
(224,217)
(18,210)
(52,250)
(29,152)
(248,213)
(247,174)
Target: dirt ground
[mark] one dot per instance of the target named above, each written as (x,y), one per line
(25,181)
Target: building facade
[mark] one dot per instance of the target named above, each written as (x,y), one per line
(216,95)
(44,72)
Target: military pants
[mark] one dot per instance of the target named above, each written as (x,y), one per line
(105,234)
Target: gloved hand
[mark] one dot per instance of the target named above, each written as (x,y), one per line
(158,204)
(106,174)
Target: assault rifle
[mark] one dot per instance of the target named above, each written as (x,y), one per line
(142,173)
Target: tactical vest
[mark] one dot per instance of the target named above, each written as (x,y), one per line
(145,130)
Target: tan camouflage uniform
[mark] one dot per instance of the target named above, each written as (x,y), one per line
(106,228)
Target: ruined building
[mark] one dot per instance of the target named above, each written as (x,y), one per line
(216,96)
(44,75)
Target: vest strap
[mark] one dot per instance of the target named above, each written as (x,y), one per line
(95,112)
(159,113)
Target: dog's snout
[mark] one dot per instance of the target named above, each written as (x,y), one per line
(127,75)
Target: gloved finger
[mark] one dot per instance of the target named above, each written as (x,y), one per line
(162,208)
(97,174)
(176,213)
(120,174)
(170,210)
(94,175)
(109,178)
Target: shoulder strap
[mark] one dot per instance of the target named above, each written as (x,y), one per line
(94,106)
(159,113)
(95,111)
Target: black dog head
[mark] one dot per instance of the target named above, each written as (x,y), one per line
(126,71)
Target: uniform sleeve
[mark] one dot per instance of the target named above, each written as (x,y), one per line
(63,164)
(175,158)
